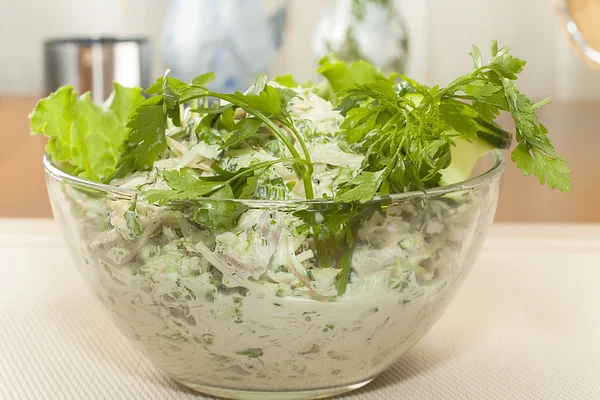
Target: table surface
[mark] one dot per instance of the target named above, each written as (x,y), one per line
(525,326)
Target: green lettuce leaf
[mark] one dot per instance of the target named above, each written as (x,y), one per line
(84,138)
(341,76)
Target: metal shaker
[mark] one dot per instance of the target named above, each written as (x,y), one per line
(93,64)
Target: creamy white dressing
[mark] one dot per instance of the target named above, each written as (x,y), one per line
(258,328)
(265,342)
(251,308)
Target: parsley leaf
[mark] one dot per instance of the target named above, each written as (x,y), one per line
(486,111)
(158,86)
(146,139)
(221,214)
(243,130)
(260,84)
(184,185)
(505,64)
(248,190)
(171,95)
(267,101)
(362,188)
(287,81)
(481,90)
(251,353)
(204,79)
(535,154)
(477,58)
(342,76)
(133,223)
(542,103)
(359,122)
(461,117)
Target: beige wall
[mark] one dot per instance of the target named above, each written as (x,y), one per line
(24,24)
(296,56)
(439,54)
(442,32)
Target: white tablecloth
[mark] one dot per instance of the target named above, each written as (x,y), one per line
(526,325)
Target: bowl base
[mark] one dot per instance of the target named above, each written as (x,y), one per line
(274,395)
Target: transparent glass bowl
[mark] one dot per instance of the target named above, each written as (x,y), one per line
(250,314)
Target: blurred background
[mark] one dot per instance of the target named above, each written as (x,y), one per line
(133,41)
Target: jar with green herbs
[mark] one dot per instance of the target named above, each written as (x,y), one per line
(372,30)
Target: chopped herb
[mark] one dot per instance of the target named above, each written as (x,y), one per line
(210,297)
(251,353)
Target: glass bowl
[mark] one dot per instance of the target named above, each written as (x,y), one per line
(252,312)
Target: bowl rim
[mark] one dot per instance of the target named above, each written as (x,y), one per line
(484,179)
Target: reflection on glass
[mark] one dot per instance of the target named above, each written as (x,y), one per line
(581,20)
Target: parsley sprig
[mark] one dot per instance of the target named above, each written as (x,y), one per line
(407,130)
(266,104)
(492,88)
(187,186)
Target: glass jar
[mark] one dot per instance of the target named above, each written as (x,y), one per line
(373,30)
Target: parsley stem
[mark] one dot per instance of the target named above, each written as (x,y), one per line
(266,164)
(451,88)
(290,125)
(288,143)
(306,179)
(308,189)
(345,263)
(392,136)
(463,97)
(305,176)
(321,249)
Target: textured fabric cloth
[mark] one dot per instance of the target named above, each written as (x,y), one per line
(526,325)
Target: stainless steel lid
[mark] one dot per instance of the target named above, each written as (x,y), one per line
(93,64)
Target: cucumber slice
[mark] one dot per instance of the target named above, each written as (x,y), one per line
(464,157)
(494,134)
(466,154)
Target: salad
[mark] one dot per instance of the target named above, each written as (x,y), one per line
(255,237)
